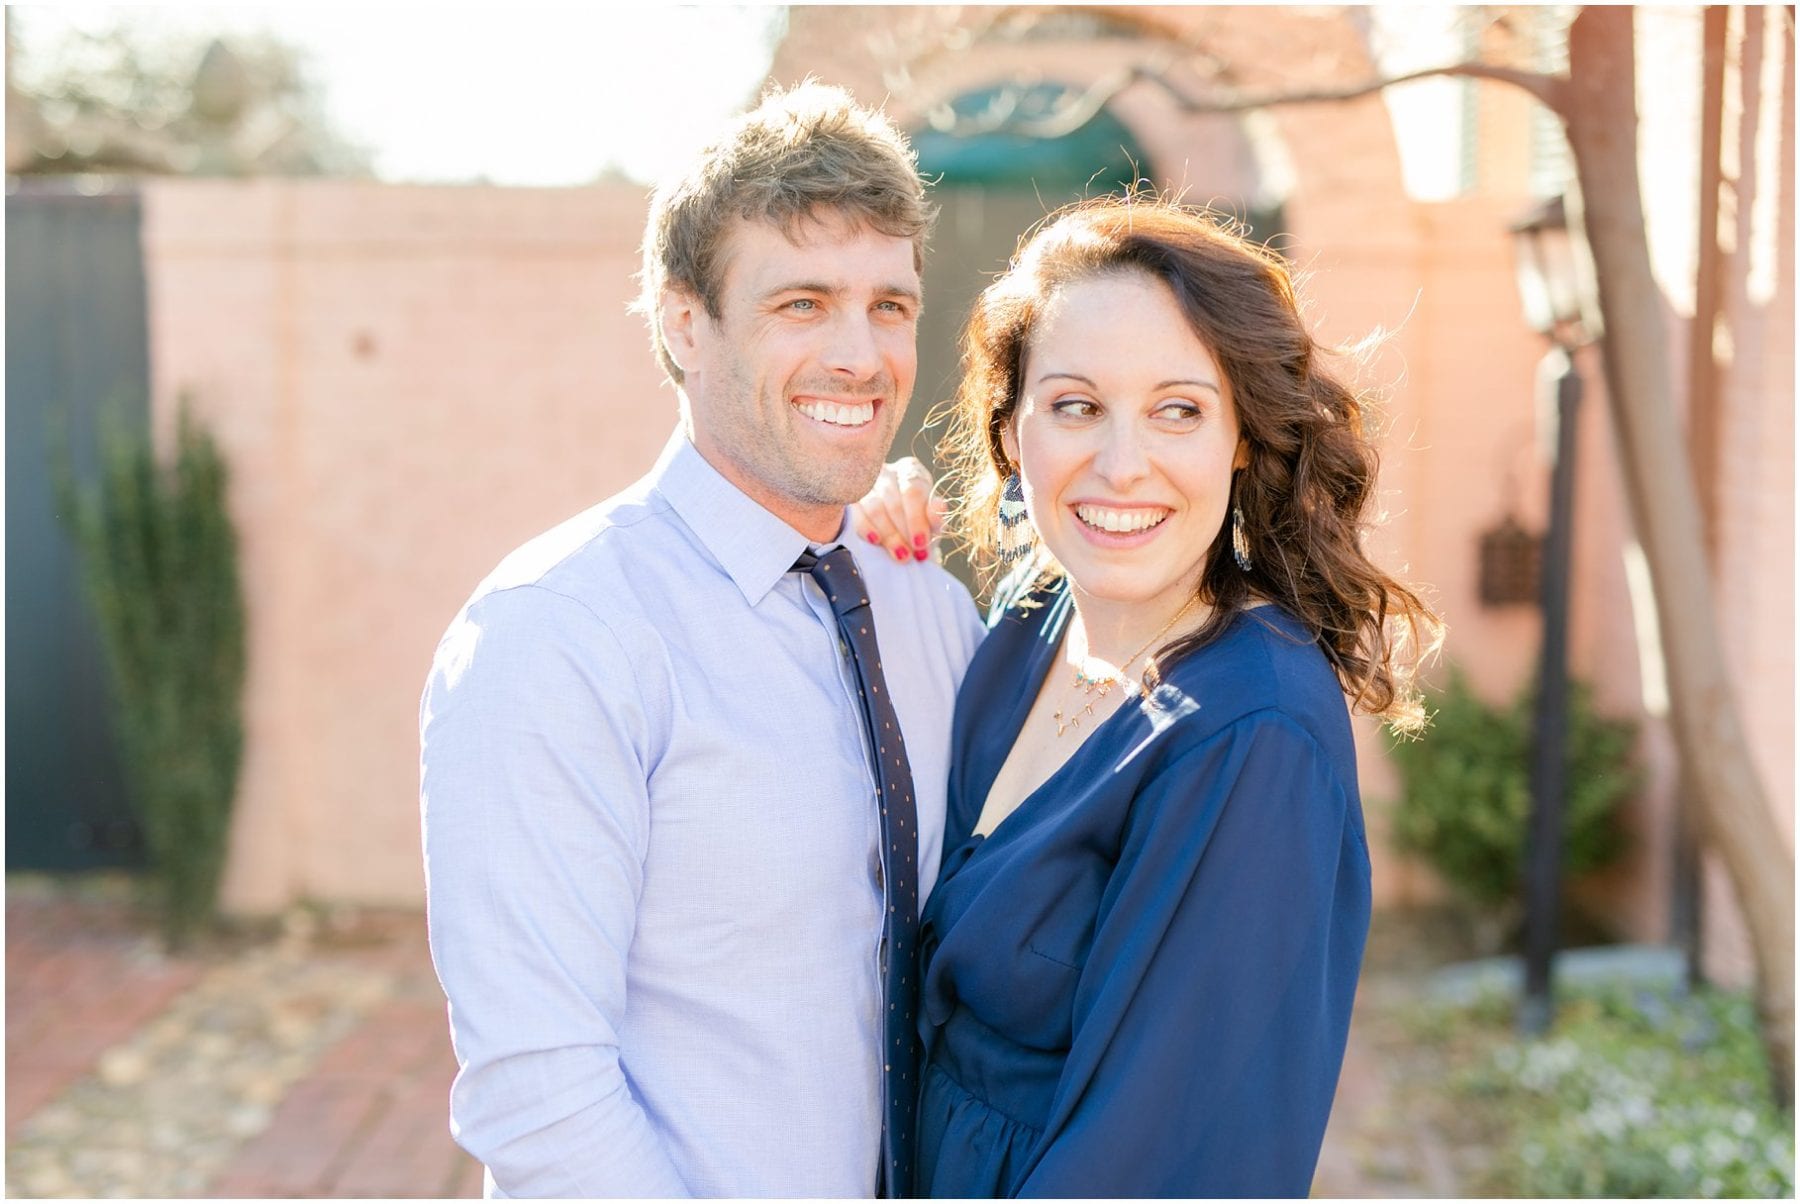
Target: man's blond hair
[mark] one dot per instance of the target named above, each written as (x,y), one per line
(804,154)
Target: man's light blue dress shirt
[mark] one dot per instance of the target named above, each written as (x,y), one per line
(651,848)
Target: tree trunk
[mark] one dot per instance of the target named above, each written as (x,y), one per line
(1600,109)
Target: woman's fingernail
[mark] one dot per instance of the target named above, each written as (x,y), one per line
(874,538)
(900,553)
(919,542)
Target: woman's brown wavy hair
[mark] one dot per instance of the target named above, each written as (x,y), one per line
(1308,488)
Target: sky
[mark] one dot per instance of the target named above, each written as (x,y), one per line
(539,96)
(547,95)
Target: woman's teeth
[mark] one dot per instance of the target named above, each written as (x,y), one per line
(838,415)
(1120,522)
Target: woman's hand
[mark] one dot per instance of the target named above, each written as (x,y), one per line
(901,513)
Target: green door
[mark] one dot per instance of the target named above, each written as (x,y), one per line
(76,343)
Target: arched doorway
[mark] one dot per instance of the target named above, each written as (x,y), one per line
(994,181)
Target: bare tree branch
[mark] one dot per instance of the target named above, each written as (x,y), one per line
(1546,88)
(1077,112)
(1069,115)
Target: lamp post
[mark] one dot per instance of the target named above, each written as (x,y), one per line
(1553,294)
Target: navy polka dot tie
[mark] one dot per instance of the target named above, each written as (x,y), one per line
(843,585)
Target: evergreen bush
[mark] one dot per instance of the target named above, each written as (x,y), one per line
(1465,801)
(160,562)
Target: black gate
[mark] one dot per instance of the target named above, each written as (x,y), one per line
(76,349)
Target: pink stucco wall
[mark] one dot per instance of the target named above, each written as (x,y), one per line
(409,382)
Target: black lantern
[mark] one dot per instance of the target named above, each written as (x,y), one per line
(1555,277)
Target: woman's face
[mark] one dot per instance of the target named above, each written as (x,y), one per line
(1126,438)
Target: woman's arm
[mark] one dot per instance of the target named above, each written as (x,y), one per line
(1212,1012)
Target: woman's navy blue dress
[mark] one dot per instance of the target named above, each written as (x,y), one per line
(1140,983)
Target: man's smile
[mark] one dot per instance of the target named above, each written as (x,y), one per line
(837,413)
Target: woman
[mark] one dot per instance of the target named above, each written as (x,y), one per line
(1139,959)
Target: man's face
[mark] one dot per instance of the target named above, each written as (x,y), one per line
(797,388)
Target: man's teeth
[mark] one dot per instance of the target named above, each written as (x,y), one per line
(1120,521)
(838,415)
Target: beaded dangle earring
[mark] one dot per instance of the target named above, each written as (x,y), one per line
(1016,535)
(1240,541)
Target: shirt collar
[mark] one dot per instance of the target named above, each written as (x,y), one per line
(752,545)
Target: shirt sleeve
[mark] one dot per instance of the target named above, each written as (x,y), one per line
(536,750)
(1211,1016)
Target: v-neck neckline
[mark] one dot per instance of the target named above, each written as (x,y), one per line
(1035,676)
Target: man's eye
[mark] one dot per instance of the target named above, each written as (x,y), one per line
(803,304)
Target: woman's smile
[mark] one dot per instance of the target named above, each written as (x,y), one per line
(1120,525)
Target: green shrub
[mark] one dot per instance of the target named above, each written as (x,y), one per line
(160,561)
(1465,801)
(1632,1094)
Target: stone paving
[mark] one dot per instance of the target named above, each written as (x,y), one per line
(312,1061)
(79,980)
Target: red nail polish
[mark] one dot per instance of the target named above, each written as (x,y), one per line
(919,542)
(874,538)
(900,554)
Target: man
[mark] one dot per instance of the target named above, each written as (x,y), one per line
(662,870)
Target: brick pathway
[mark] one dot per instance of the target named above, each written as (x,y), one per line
(368,1119)
(79,978)
(1378,1145)
(371,1119)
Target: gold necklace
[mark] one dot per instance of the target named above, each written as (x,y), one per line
(1093,689)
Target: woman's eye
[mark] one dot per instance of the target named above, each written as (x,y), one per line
(1075,407)
(1179,411)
